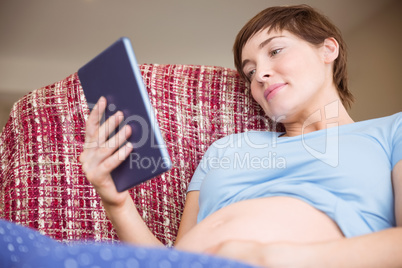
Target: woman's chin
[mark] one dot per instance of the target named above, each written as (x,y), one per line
(277,115)
(281,112)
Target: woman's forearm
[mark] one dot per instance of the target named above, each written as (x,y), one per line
(379,249)
(129,225)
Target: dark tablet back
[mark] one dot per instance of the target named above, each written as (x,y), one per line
(115,75)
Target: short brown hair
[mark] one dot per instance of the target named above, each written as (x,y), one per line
(306,23)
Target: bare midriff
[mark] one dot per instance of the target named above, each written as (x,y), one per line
(271,219)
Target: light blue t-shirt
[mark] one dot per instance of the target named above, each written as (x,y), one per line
(344,171)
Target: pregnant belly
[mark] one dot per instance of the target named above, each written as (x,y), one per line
(264,220)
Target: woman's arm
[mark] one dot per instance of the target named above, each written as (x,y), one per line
(100,156)
(189,217)
(379,249)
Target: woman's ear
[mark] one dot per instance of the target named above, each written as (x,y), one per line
(331,50)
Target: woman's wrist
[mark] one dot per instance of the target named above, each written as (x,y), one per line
(124,205)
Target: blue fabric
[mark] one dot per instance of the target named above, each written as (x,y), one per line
(24,247)
(344,171)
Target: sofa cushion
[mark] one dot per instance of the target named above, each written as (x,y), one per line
(41,180)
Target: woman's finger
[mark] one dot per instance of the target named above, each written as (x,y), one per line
(95,117)
(107,128)
(92,125)
(118,139)
(106,149)
(116,159)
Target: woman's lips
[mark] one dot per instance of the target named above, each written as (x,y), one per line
(271,91)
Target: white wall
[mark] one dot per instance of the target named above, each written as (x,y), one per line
(43,41)
(375,64)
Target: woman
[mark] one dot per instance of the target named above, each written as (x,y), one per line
(332,199)
(298,213)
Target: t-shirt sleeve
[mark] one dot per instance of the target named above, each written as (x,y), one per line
(396,155)
(201,171)
(212,156)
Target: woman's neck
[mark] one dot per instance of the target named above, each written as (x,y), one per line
(330,115)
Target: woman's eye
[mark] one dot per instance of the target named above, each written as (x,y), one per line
(275,51)
(250,74)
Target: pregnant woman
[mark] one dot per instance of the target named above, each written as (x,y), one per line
(333,196)
(326,192)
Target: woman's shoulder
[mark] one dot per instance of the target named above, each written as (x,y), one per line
(387,128)
(391,118)
(386,121)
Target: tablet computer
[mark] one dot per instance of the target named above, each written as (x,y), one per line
(114,74)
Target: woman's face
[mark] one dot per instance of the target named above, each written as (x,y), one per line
(288,75)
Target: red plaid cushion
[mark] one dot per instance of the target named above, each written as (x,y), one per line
(42,183)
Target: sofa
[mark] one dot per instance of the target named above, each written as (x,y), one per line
(42,182)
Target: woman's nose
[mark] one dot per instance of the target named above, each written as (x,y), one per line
(262,74)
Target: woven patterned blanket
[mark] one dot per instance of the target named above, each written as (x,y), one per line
(41,180)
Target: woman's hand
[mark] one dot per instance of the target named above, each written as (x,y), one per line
(279,254)
(101,155)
